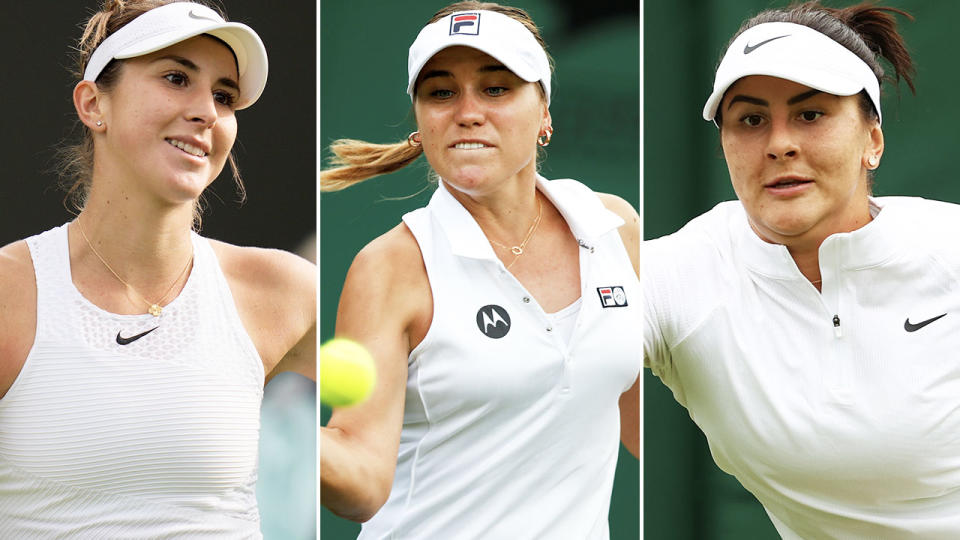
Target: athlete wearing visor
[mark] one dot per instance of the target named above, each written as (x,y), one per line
(811,329)
(133,352)
(506,375)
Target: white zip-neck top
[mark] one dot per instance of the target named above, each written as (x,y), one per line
(154,438)
(840,410)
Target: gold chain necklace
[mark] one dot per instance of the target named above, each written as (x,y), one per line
(154,307)
(518,250)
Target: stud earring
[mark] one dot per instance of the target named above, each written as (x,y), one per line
(872,160)
(99,123)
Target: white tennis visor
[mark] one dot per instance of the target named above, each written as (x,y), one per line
(796,53)
(498,35)
(170,24)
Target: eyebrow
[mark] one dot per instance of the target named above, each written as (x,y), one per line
(187,63)
(443,73)
(762,102)
(800,97)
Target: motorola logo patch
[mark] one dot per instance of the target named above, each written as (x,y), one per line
(493,321)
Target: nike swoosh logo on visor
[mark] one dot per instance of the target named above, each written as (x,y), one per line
(193,15)
(750,48)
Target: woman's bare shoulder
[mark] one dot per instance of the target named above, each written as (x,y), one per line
(266,266)
(630,231)
(390,275)
(18,288)
(18,310)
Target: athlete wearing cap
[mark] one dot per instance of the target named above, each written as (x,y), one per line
(133,352)
(502,315)
(810,329)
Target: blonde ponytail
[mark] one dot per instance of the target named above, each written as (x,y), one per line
(356,161)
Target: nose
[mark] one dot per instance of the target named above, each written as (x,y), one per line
(202,109)
(469,110)
(781,143)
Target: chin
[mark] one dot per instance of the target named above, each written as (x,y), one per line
(787,226)
(467,181)
(186,188)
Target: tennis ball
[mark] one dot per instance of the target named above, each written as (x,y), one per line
(347,373)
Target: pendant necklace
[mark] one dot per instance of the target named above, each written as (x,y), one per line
(153,308)
(518,249)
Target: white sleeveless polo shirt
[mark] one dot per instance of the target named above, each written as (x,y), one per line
(108,435)
(509,431)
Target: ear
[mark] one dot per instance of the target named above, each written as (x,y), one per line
(547,120)
(873,150)
(89,102)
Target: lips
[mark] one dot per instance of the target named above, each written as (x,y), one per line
(785,182)
(788,185)
(788,182)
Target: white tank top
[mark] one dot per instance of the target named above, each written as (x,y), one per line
(155,438)
(511,429)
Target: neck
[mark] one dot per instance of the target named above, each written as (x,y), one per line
(805,248)
(147,245)
(506,215)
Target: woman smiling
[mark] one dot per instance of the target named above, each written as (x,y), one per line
(133,351)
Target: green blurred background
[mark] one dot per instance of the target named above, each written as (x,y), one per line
(685,495)
(595,109)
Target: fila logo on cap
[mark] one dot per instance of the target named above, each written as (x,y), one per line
(465,24)
(612,296)
(493,321)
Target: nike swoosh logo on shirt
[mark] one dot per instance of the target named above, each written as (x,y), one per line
(750,48)
(129,340)
(911,327)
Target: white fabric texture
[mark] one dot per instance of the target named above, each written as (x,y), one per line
(153,439)
(565,321)
(516,436)
(842,422)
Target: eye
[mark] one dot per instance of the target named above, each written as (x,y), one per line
(752,120)
(224,98)
(810,116)
(441,93)
(496,91)
(177,77)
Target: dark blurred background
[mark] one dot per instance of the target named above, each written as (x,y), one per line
(276,150)
(595,109)
(685,495)
(276,144)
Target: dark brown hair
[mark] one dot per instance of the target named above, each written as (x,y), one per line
(76,160)
(867,30)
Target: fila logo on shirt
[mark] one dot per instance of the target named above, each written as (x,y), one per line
(493,321)
(465,24)
(612,296)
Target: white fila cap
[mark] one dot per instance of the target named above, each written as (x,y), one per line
(172,23)
(498,35)
(797,53)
